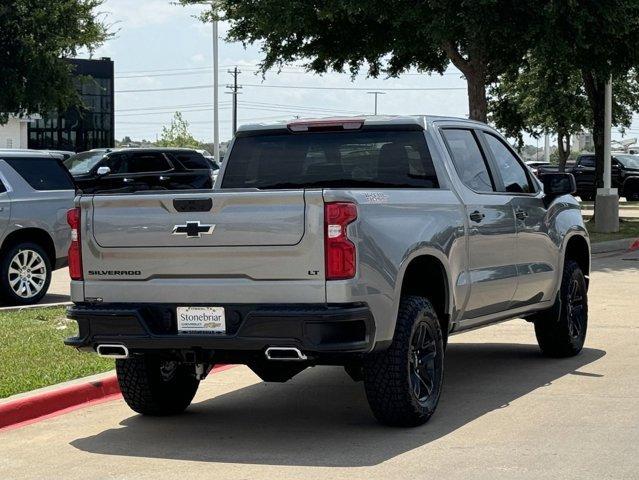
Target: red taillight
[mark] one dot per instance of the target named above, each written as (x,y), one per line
(340,251)
(75,252)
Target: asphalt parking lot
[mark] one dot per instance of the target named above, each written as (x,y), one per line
(506,412)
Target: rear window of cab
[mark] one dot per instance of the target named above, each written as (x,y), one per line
(363,158)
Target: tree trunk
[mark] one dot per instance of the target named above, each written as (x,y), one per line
(595,89)
(477,101)
(474,69)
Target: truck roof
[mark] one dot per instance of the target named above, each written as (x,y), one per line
(367,120)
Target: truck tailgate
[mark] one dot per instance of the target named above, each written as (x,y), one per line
(249,244)
(236,219)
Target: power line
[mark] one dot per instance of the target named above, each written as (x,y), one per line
(205,122)
(256,70)
(297,87)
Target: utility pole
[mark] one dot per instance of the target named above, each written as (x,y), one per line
(607,201)
(234,91)
(376,93)
(216,118)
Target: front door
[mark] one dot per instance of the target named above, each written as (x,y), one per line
(492,265)
(536,253)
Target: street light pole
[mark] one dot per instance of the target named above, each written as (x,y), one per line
(376,93)
(547,148)
(607,201)
(216,129)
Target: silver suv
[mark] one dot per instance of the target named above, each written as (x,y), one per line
(36,191)
(362,242)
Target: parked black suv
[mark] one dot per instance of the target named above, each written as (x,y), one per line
(625,175)
(135,169)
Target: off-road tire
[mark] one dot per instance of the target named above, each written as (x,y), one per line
(150,392)
(7,295)
(561,331)
(389,376)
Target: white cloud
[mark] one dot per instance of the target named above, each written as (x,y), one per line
(142,13)
(198,58)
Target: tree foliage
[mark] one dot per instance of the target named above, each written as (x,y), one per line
(541,98)
(35,37)
(482,38)
(599,40)
(177,134)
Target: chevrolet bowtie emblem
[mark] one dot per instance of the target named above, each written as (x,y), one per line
(193,229)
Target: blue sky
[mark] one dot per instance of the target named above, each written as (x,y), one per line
(160,45)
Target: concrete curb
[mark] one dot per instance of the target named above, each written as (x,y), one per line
(26,409)
(48,402)
(615,245)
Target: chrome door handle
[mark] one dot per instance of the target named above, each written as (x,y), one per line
(163,178)
(521,214)
(477,216)
(127,180)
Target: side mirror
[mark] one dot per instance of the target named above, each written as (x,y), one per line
(102,171)
(558,184)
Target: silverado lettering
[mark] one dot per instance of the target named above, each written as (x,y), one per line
(128,273)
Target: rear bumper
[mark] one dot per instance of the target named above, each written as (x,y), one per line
(314,329)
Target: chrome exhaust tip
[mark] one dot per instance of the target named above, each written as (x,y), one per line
(112,351)
(288,354)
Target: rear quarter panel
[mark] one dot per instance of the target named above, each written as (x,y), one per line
(393,227)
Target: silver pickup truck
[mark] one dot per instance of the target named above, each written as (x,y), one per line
(361,242)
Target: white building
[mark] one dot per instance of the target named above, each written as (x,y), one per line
(582,141)
(15,133)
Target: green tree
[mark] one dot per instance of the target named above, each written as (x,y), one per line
(35,37)
(482,38)
(599,40)
(541,99)
(177,134)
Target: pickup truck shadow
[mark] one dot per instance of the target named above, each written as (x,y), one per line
(321,417)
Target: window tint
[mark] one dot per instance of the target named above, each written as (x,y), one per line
(191,160)
(2,187)
(42,173)
(629,161)
(385,159)
(82,163)
(512,172)
(144,163)
(587,161)
(468,159)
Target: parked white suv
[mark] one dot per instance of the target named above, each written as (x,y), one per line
(36,191)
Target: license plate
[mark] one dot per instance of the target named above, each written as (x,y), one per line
(201,320)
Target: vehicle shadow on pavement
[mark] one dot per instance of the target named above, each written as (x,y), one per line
(321,417)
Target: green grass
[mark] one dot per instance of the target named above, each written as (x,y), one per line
(628,228)
(32,354)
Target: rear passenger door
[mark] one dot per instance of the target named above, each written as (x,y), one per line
(144,171)
(584,174)
(492,271)
(191,171)
(536,254)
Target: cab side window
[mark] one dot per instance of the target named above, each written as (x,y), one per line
(468,159)
(587,161)
(144,163)
(512,171)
